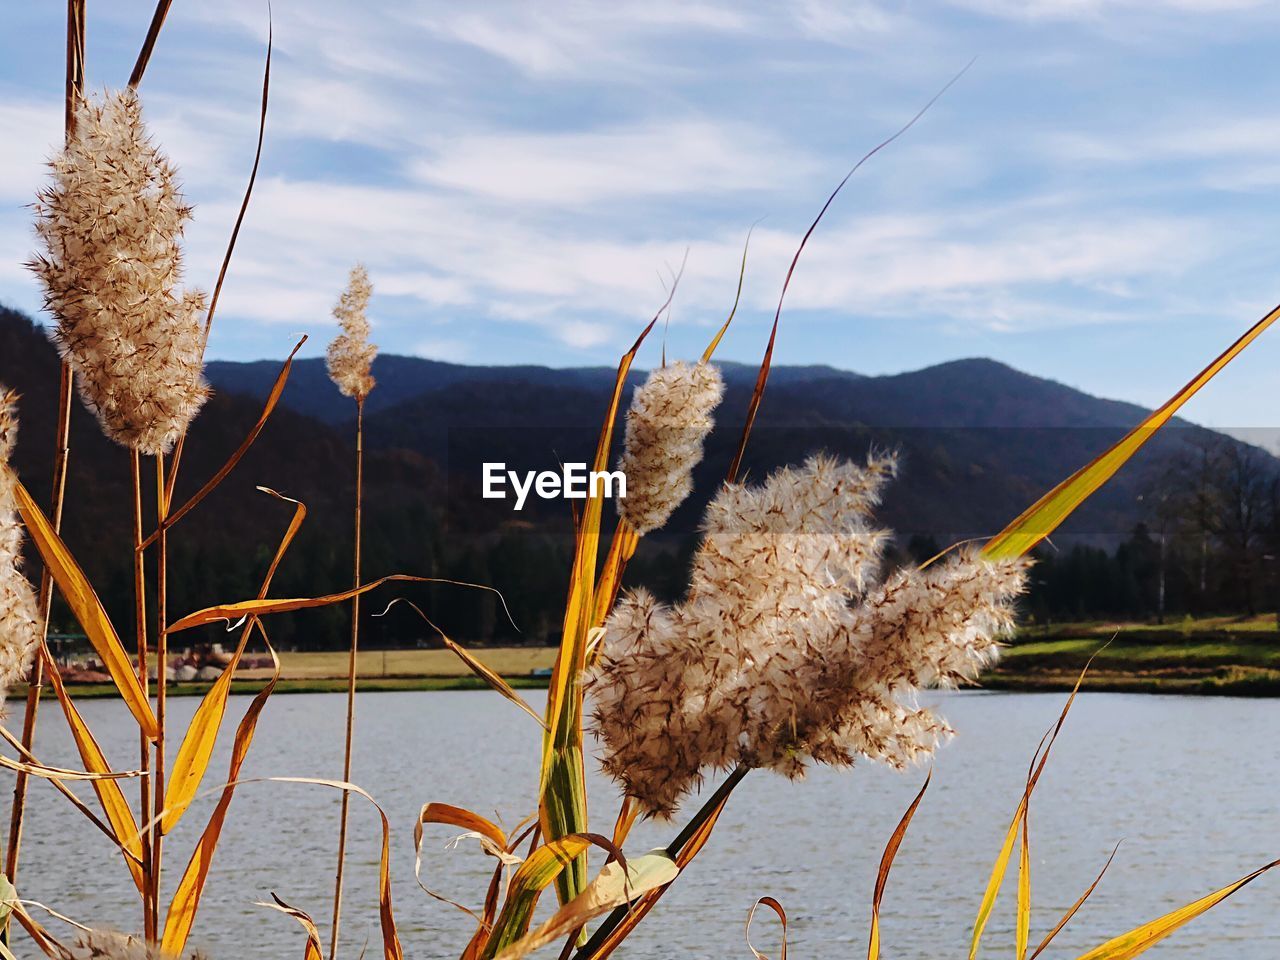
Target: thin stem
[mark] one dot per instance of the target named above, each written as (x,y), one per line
(63,789)
(674,848)
(149,44)
(150,921)
(74,89)
(162,670)
(351,682)
(35,684)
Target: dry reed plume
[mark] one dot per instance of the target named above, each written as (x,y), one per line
(350,355)
(349,361)
(109,945)
(20,629)
(669,418)
(784,651)
(111,224)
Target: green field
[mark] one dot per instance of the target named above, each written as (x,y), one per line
(1221,655)
(1234,656)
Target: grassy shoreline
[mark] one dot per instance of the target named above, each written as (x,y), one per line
(1218,657)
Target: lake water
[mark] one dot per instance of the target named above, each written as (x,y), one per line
(1188,785)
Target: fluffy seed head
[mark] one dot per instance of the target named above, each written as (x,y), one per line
(19,613)
(350,356)
(111,226)
(785,650)
(109,945)
(669,418)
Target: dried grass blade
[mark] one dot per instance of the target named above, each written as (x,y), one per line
(687,845)
(234,612)
(737,299)
(61,773)
(614,885)
(757,394)
(1001,866)
(248,191)
(1043,517)
(562,797)
(391,949)
(621,549)
(149,44)
(85,605)
(776,907)
(313,951)
(476,945)
(533,876)
(193,757)
(186,899)
(492,840)
(1022,928)
(479,668)
(1141,939)
(114,805)
(43,939)
(273,398)
(886,864)
(1066,917)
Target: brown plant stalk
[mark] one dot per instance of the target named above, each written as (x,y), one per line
(149,921)
(74,90)
(351,684)
(162,664)
(349,361)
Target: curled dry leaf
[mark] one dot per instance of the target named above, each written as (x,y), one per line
(613,886)
(776,907)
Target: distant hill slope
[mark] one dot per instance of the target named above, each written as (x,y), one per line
(403,378)
(978,440)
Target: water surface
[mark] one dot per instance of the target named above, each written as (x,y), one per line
(1187,784)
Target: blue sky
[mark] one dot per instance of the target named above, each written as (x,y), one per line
(1096,201)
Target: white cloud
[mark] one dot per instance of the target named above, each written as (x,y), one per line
(32,133)
(443,348)
(656,158)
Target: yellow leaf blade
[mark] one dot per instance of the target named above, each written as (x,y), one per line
(234,612)
(116,808)
(1043,517)
(612,887)
(312,951)
(1022,932)
(194,753)
(1140,939)
(181,916)
(886,864)
(776,907)
(533,876)
(85,605)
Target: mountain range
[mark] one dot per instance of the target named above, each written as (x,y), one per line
(977,440)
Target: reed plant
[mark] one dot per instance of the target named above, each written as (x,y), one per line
(792,644)
(350,362)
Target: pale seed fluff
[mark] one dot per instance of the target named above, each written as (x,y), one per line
(786,649)
(667,423)
(109,945)
(350,356)
(111,226)
(19,613)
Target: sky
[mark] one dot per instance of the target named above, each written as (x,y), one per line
(1096,200)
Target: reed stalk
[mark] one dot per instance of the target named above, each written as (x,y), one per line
(73,91)
(36,683)
(150,921)
(162,664)
(351,683)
